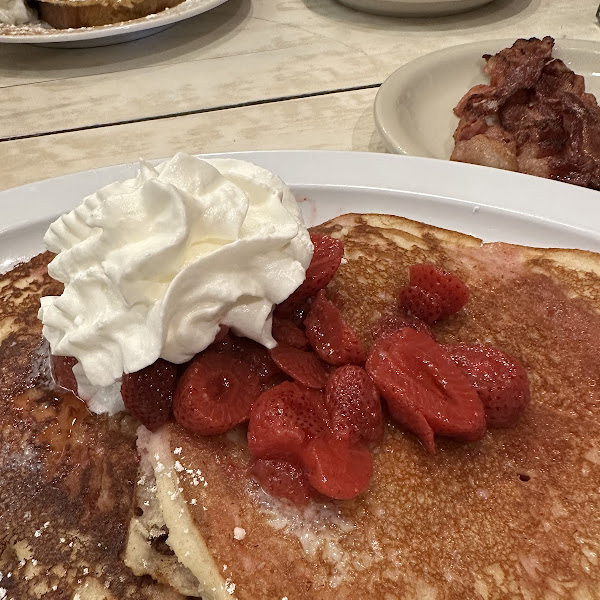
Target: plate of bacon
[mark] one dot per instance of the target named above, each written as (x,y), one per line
(527,106)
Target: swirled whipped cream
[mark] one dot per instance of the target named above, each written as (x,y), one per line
(152,266)
(16,12)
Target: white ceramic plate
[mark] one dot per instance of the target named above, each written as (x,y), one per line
(87,37)
(413,108)
(414,8)
(489,203)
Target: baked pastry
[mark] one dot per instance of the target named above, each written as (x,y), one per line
(65,14)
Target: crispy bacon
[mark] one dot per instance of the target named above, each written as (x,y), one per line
(534,117)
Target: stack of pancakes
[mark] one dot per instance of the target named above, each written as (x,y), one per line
(516,515)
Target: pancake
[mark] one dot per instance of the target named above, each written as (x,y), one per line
(67,477)
(515,515)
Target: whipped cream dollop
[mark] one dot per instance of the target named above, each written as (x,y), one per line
(152,266)
(16,12)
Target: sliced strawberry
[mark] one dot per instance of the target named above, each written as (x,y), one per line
(254,355)
(354,406)
(304,367)
(500,379)
(282,479)
(62,371)
(215,394)
(391,323)
(148,394)
(331,337)
(287,332)
(327,256)
(420,303)
(451,290)
(424,388)
(283,420)
(337,468)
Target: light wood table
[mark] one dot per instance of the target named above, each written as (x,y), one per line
(248,75)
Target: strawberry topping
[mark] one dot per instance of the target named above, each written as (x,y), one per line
(501,381)
(327,256)
(287,332)
(391,323)
(215,393)
(453,293)
(354,406)
(304,367)
(252,354)
(331,337)
(282,479)
(283,420)
(420,303)
(424,388)
(148,394)
(337,468)
(62,371)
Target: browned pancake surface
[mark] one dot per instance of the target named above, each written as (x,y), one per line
(66,476)
(516,515)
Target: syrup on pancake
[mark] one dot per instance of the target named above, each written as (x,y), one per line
(67,476)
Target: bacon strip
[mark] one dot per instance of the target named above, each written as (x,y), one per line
(534,117)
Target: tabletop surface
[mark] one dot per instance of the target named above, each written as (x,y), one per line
(247,75)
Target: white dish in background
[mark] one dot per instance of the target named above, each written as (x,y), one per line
(492,204)
(414,8)
(105,35)
(414,105)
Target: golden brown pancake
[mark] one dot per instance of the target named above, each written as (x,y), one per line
(66,476)
(516,515)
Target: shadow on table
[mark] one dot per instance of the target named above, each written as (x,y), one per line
(493,13)
(183,38)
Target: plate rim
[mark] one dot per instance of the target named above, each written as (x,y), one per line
(371,171)
(430,8)
(161,19)
(388,91)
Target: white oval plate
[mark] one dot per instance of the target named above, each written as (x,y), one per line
(414,8)
(489,203)
(414,105)
(88,37)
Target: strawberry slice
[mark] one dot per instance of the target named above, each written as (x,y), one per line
(420,303)
(304,367)
(148,394)
(337,468)
(282,479)
(354,406)
(453,293)
(62,371)
(391,323)
(424,388)
(252,354)
(283,420)
(331,337)
(326,259)
(500,379)
(287,332)
(215,394)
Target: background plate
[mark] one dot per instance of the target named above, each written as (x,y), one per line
(489,203)
(414,8)
(413,108)
(88,37)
